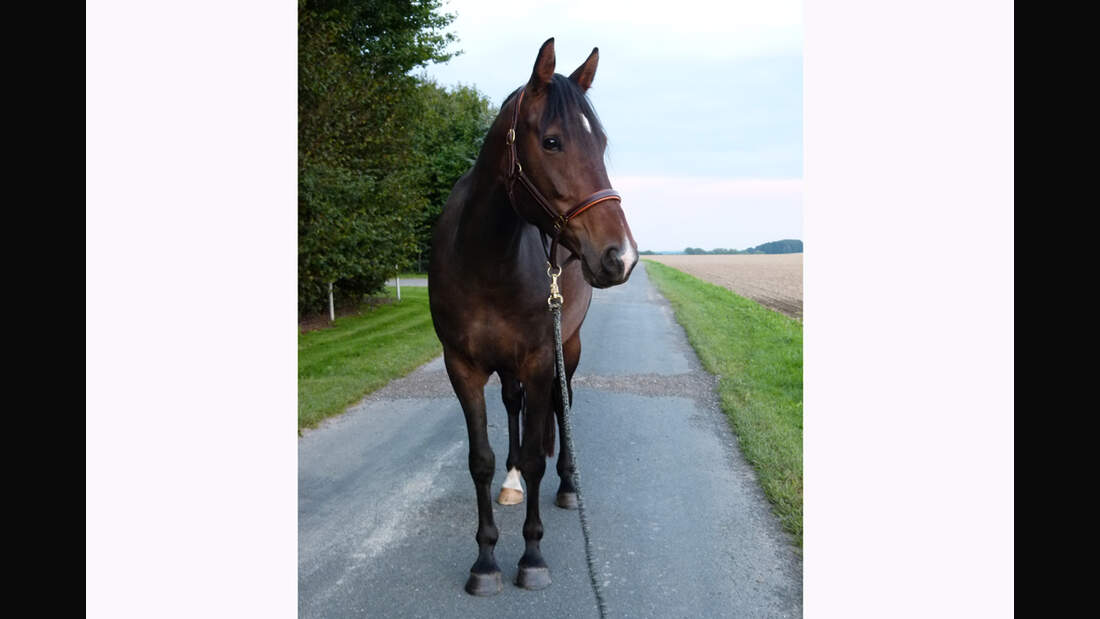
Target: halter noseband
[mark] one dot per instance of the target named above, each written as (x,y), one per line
(515,172)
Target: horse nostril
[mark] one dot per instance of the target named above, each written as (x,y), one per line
(612,261)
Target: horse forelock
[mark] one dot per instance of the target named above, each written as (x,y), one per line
(567,106)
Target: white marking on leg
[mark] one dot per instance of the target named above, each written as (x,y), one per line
(512,480)
(584,121)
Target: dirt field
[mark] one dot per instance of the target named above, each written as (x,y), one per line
(772,280)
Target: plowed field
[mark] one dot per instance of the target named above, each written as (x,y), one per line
(772,280)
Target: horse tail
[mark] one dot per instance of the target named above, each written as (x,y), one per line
(548,435)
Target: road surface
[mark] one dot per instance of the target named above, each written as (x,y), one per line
(387,514)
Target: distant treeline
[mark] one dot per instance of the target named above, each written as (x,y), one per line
(786,246)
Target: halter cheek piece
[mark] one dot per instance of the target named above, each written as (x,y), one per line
(559,221)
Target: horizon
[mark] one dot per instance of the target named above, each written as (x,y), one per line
(687,247)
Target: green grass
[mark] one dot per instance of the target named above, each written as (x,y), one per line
(757,355)
(359,354)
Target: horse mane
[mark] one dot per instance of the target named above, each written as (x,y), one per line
(563,96)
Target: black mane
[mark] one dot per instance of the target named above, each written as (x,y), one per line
(562,96)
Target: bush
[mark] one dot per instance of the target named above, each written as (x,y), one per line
(353,230)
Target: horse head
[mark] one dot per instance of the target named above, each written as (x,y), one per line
(556,153)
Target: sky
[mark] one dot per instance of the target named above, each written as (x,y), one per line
(702,105)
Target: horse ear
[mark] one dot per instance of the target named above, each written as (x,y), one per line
(587,71)
(544,68)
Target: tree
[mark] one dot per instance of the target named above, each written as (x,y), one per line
(451,130)
(786,246)
(360,176)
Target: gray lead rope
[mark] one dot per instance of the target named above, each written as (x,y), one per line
(555,302)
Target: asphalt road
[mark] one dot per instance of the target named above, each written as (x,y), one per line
(387,515)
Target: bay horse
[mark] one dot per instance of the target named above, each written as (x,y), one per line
(510,220)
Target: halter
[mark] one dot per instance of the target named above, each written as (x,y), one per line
(559,221)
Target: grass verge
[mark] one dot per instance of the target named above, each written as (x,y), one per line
(359,354)
(757,355)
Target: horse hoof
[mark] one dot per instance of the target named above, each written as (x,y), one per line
(533,578)
(484,584)
(508,496)
(566,500)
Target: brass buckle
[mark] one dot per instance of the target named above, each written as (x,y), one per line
(555,291)
(510,137)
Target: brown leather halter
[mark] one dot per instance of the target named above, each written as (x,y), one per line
(558,220)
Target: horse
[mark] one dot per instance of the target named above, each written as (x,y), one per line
(537,200)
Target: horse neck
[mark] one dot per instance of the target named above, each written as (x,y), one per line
(489,225)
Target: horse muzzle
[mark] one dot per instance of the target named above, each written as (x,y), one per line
(612,267)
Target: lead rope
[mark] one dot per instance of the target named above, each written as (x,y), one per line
(555,302)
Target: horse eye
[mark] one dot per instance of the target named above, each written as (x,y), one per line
(551,143)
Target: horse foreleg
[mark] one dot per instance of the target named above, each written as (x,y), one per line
(533,571)
(567,494)
(469,386)
(511,391)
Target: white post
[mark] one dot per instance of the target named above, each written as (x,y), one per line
(331,309)
(398,276)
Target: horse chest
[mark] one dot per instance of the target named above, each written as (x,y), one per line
(506,336)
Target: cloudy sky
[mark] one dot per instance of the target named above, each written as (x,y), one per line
(703,105)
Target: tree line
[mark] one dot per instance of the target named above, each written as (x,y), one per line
(786,246)
(379,149)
